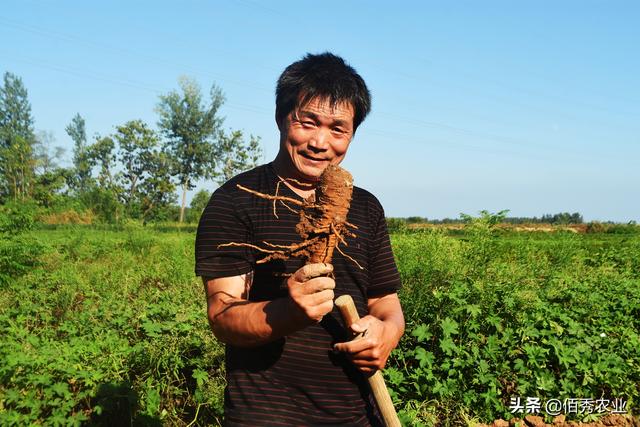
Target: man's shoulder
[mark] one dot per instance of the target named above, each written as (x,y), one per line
(366,198)
(366,210)
(230,204)
(253,178)
(248,176)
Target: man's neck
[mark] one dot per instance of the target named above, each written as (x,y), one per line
(291,178)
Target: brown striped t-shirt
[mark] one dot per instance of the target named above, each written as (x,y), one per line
(298,379)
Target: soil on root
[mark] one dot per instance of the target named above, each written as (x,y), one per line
(324,215)
(323,223)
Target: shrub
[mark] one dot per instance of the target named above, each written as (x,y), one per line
(69,217)
(18,255)
(16,218)
(488,318)
(396,225)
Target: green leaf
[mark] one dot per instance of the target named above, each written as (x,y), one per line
(153,401)
(394,376)
(448,346)
(152,329)
(61,389)
(556,327)
(449,326)
(426,358)
(473,310)
(421,333)
(200,376)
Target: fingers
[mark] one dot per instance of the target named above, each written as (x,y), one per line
(319,284)
(310,271)
(321,302)
(311,278)
(312,286)
(311,292)
(313,306)
(370,352)
(356,346)
(361,325)
(363,354)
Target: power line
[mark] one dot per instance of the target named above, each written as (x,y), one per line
(261,110)
(44,32)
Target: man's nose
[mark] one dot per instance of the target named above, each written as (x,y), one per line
(320,139)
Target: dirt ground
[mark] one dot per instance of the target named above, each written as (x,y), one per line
(559,421)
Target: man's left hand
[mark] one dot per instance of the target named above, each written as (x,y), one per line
(370,353)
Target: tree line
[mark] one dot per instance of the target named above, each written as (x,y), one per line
(561,218)
(134,172)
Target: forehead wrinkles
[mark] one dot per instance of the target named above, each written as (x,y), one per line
(325,106)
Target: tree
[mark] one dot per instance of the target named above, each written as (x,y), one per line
(104,198)
(81,164)
(576,218)
(157,191)
(138,158)
(562,218)
(49,185)
(46,159)
(101,154)
(235,155)
(198,203)
(194,135)
(50,179)
(17,139)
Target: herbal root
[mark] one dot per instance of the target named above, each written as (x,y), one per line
(323,223)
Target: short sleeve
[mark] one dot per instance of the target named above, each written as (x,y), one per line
(222,223)
(383,272)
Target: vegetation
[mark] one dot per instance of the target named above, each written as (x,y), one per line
(104,326)
(557,222)
(561,218)
(17,140)
(196,141)
(494,314)
(107,324)
(130,174)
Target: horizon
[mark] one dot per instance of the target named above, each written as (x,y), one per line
(531,108)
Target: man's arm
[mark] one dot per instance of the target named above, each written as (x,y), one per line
(383,327)
(237,321)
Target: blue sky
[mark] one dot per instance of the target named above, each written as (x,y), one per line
(528,106)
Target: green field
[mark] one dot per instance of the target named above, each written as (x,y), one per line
(108,325)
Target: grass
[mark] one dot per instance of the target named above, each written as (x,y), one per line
(495,315)
(106,325)
(110,325)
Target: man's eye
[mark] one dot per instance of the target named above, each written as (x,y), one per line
(308,123)
(338,130)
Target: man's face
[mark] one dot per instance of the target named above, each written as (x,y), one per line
(316,135)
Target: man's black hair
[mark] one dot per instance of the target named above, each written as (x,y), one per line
(325,76)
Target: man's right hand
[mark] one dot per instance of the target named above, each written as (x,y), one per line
(311,292)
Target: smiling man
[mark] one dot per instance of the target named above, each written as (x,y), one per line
(288,358)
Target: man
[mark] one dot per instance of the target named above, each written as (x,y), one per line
(288,359)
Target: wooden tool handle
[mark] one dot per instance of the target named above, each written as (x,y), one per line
(376,382)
